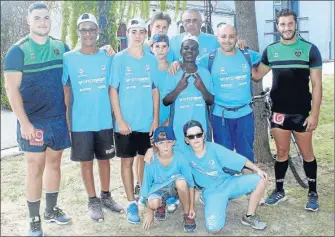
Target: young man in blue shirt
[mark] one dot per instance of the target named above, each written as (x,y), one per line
(86,78)
(168,174)
(233,120)
(189,91)
(210,164)
(135,102)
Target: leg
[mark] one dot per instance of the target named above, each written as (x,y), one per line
(183,193)
(104,174)
(135,170)
(143,141)
(140,168)
(222,133)
(88,178)
(128,177)
(245,133)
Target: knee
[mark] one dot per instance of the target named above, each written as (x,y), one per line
(127,163)
(181,184)
(262,184)
(155,204)
(85,165)
(35,169)
(282,153)
(308,156)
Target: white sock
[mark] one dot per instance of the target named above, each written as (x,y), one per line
(131,202)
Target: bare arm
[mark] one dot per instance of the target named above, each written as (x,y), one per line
(259,72)
(12,85)
(253,167)
(155,98)
(171,97)
(67,91)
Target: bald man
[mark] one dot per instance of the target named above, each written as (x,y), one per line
(233,120)
(191,20)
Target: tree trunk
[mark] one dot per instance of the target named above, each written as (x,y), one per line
(247,30)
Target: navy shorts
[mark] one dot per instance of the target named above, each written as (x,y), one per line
(236,134)
(52,133)
(87,145)
(292,122)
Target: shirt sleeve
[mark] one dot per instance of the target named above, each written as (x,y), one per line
(66,77)
(255,57)
(229,159)
(265,59)
(115,73)
(147,181)
(14,60)
(315,60)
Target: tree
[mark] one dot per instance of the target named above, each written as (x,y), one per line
(247,29)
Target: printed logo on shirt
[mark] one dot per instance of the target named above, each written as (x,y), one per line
(222,70)
(81,73)
(32,56)
(298,53)
(276,55)
(128,71)
(244,68)
(56,51)
(103,69)
(147,68)
(211,164)
(278,118)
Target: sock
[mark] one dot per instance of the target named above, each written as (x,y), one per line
(311,170)
(34,208)
(91,198)
(247,215)
(280,171)
(51,200)
(131,202)
(104,192)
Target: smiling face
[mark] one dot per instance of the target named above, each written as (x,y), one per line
(136,36)
(227,38)
(39,22)
(286,27)
(195,137)
(189,50)
(88,33)
(160,49)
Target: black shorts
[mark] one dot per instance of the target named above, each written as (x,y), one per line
(292,122)
(130,145)
(87,145)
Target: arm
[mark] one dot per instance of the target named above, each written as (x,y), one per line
(259,72)
(171,97)
(67,103)
(253,167)
(208,97)
(124,128)
(12,85)
(155,98)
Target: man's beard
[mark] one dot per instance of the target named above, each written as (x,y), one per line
(41,33)
(289,38)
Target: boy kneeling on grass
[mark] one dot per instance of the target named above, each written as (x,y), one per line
(168,174)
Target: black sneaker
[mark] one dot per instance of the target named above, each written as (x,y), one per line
(108,202)
(58,216)
(35,227)
(95,210)
(189,224)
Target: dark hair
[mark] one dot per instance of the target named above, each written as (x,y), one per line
(286,12)
(191,124)
(37,6)
(160,16)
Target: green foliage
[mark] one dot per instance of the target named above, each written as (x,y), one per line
(65,19)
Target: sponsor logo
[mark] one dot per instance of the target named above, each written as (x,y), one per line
(85,89)
(110,151)
(81,72)
(32,56)
(211,164)
(147,68)
(298,53)
(56,51)
(310,180)
(276,55)
(89,81)
(280,180)
(39,138)
(244,68)
(103,69)
(278,118)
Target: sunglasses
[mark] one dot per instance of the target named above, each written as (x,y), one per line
(191,137)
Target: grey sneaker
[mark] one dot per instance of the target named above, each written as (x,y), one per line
(108,202)
(35,228)
(254,222)
(58,216)
(95,210)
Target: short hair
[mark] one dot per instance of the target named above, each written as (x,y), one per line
(162,135)
(160,16)
(191,11)
(286,12)
(37,6)
(191,124)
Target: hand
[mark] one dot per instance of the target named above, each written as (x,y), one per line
(124,128)
(148,220)
(166,123)
(153,127)
(241,44)
(191,214)
(109,50)
(183,83)
(311,122)
(149,156)
(262,174)
(174,68)
(198,83)
(28,131)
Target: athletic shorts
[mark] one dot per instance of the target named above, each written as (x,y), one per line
(52,133)
(164,193)
(128,146)
(292,122)
(87,145)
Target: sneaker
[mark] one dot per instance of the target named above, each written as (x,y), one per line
(189,224)
(313,202)
(35,228)
(160,214)
(95,210)
(58,216)
(254,222)
(276,197)
(108,202)
(132,214)
(172,204)
(137,190)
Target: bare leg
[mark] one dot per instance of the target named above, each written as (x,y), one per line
(52,174)
(104,173)
(184,194)
(35,168)
(87,175)
(128,177)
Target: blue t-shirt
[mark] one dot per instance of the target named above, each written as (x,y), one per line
(189,104)
(88,76)
(156,176)
(208,170)
(232,81)
(207,43)
(135,79)
(169,55)
(161,83)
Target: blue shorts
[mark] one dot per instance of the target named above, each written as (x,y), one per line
(236,134)
(55,135)
(216,199)
(164,193)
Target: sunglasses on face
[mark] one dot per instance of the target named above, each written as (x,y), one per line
(191,137)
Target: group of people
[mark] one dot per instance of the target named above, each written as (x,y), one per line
(182,93)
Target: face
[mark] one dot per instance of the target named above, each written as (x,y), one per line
(136,36)
(165,147)
(39,22)
(286,27)
(195,137)
(189,50)
(192,22)
(88,33)
(227,38)
(160,49)
(159,27)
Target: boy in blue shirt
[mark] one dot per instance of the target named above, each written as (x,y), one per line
(135,102)
(210,164)
(167,174)
(85,76)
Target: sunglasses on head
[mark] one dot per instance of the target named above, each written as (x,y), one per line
(133,22)
(191,137)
